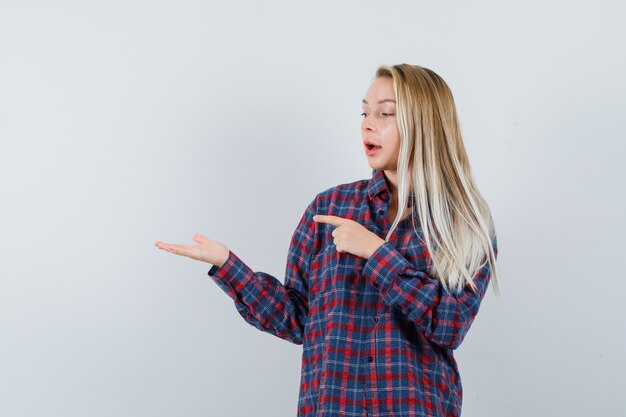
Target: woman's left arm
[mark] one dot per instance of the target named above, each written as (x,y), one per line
(444,317)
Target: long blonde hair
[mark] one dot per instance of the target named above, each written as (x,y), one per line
(433,160)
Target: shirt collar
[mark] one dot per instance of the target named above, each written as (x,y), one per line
(378,185)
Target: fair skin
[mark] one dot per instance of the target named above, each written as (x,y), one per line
(379,126)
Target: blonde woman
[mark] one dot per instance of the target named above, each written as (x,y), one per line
(384,275)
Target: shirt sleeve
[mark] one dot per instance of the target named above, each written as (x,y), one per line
(261,299)
(444,317)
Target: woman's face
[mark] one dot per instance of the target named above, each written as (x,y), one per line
(379,126)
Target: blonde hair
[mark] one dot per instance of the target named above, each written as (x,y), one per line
(450,209)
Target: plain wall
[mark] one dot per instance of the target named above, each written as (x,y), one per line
(127,122)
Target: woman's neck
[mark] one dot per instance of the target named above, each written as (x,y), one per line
(391,178)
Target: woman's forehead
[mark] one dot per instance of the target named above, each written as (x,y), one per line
(381,90)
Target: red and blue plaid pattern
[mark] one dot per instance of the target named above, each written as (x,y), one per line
(378,334)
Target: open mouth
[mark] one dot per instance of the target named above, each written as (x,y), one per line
(371,146)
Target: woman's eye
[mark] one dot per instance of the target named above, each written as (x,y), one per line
(382,114)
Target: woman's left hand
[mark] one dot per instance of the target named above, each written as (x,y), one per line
(350,236)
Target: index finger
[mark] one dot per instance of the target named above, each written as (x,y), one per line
(178,249)
(334,220)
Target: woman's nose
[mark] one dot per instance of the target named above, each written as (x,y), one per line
(367,126)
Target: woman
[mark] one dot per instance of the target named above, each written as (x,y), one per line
(379,318)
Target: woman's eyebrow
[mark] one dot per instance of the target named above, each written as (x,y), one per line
(382,101)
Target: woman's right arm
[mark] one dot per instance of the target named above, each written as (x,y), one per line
(261,299)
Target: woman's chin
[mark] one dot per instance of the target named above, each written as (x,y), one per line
(375,164)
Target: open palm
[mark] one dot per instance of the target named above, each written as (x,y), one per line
(204,249)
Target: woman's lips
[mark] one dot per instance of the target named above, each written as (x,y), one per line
(371,151)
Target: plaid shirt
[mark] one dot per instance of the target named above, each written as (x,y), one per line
(378,334)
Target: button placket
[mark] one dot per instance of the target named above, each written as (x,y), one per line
(382,209)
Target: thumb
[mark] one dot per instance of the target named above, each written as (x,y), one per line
(199,238)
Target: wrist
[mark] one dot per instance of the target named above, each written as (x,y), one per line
(377,245)
(223,257)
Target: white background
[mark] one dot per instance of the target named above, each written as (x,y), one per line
(127,122)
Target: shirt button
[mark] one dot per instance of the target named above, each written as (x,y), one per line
(381,212)
(375,284)
(370,359)
(375,319)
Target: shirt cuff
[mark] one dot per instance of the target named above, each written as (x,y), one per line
(233,276)
(383,268)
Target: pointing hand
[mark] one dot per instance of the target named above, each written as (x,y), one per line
(350,236)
